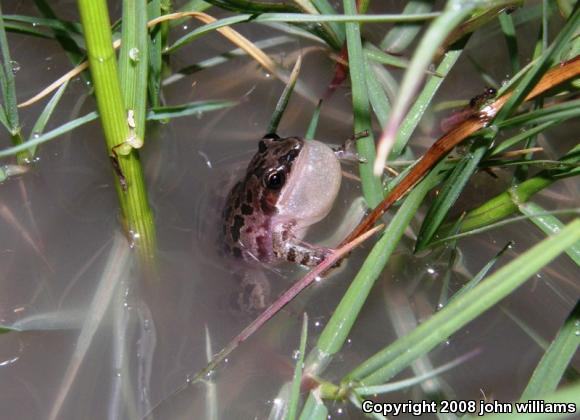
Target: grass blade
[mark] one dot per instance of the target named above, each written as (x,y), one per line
(449,193)
(68,44)
(394,358)
(509,31)
(45,115)
(435,36)
(311,130)
(297,380)
(549,371)
(371,184)
(284,98)
(424,98)
(191,108)
(403,34)
(133,68)
(549,224)
(530,79)
(129,180)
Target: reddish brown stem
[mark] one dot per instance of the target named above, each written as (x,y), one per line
(449,140)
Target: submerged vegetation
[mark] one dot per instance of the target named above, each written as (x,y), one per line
(498,130)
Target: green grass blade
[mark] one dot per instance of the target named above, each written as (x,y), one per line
(294,18)
(297,379)
(394,358)
(553,364)
(24,29)
(509,31)
(45,115)
(192,108)
(481,274)
(403,34)
(162,113)
(133,65)
(565,110)
(311,130)
(436,34)
(449,193)
(325,8)
(68,43)
(377,96)
(155,54)
(7,82)
(544,62)
(505,222)
(523,136)
(549,224)
(507,202)
(129,180)
(371,184)
(284,98)
(424,98)
(314,408)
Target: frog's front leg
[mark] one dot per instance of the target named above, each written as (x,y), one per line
(347,152)
(287,247)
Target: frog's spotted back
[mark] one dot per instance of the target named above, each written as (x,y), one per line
(251,203)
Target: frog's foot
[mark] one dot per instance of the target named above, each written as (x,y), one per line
(254,294)
(295,250)
(347,152)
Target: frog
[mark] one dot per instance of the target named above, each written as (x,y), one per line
(289,185)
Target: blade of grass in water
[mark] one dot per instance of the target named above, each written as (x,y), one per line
(377,96)
(549,224)
(155,54)
(311,130)
(10,109)
(284,98)
(507,202)
(133,67)
(424,98)
(68,43)
(45,116)
(161,113)
(450,192)
(509,32)
(394,358)
(435,36)
(481,274)
(129,181)
(549,371)
(297,379)
(403,34)
(530,79)
(314,408)
(290,18)
(371,184)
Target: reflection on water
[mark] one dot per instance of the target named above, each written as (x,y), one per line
(103,339)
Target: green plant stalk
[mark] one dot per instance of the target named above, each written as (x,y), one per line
(393,359)
(136,213)
(549,224)
(509,201)
(297,380)
(9,96)
(133,64)
(552,366)
(371,184)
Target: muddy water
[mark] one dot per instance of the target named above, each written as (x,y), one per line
(104,340)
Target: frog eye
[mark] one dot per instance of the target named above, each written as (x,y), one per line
(275,180)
